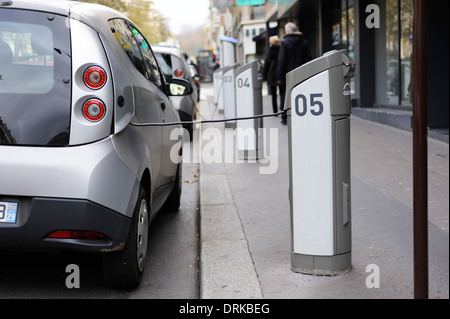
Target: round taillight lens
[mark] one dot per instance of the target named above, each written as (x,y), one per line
(179,73)
(94,110)
(95,77)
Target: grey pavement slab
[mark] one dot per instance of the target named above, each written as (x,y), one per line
(245,229)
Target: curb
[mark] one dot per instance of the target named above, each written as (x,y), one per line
(226,266)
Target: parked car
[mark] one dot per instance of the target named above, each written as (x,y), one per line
(174,66)
(197,78)
(76,170)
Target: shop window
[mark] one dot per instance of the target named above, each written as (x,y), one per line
(346,31)
(406,17)
(399,52)
(347,26)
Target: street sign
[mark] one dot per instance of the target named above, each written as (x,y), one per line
(241,3)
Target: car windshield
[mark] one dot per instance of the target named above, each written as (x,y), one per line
(35,76)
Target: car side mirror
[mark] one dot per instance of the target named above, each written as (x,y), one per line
(179,87)
(198,77)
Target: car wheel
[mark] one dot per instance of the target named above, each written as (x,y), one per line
(172,203)
(123,269)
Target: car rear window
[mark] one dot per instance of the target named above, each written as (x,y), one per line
(165,62)
(35,76)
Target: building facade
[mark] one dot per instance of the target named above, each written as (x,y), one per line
(378,34)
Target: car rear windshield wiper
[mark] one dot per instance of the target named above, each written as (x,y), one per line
(61,51)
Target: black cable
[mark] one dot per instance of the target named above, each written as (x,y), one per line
(209,121)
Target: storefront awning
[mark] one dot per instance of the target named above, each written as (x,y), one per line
(263,35)
(284,6)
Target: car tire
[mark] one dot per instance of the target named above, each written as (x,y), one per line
(123,269)
(172,203)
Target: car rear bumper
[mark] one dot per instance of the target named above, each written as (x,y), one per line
(38,217)
(92,172)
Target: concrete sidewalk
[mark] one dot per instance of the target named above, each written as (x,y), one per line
(245,218)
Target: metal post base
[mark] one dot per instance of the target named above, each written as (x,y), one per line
(321,265)
(230,124)
(248,155)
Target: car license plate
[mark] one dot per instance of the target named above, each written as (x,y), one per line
(8,212)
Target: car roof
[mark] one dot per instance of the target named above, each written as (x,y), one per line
(89,13)
(55,6)
(168,50)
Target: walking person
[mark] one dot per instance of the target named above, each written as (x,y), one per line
(270,70)
(294,52)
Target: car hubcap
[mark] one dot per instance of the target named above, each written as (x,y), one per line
(142,235)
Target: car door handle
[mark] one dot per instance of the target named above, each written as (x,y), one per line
(163,106)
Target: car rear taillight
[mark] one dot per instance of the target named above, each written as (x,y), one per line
(70,234)
(179,73)
(95,77)
(94,110)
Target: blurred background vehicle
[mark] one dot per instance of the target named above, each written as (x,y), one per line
(205,63)
(174,66)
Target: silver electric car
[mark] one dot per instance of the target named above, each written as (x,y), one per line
(78,171)
(174,66)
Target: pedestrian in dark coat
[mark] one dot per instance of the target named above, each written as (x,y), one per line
(270,70)
(294,52)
